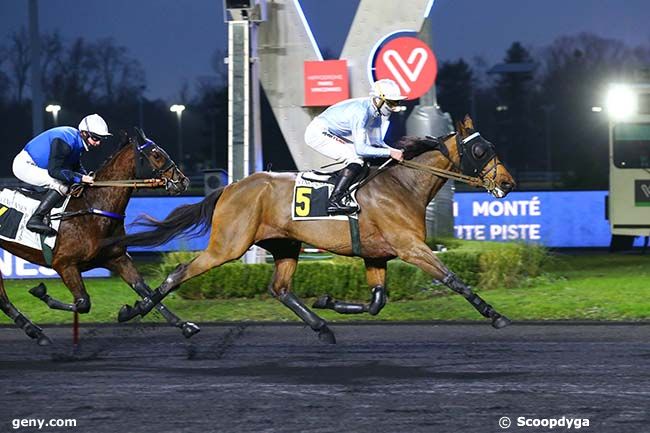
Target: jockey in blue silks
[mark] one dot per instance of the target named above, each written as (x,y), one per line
(352,130)
(52,160)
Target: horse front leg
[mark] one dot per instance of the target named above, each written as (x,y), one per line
(376,276)
(124,267)
(418,253)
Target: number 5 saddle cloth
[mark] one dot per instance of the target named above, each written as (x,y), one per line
(310,194)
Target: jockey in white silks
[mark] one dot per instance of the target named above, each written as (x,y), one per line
(352,130)
(52,160)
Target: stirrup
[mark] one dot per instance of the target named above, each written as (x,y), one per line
(335,207)
(41,228)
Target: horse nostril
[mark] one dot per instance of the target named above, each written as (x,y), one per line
(506,186)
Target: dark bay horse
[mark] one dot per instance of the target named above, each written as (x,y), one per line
(257,210)
(78,247)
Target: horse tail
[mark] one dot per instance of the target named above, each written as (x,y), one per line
(191,220)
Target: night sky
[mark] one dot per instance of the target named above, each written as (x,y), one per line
(175,40)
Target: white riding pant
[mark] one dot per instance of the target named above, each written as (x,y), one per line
(26,170)
(318,137)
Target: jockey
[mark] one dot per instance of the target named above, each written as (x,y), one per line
(52,160)
(350,131)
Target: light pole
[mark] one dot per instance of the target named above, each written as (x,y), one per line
(54,109)
(178,109)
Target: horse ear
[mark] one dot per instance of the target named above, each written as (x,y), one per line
(460,128)
(140,135)
(123,137)
(467,122)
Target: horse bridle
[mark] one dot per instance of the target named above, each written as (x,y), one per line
(470,164)
(143,151)
(471,170)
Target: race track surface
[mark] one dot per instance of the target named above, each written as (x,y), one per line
(378,378)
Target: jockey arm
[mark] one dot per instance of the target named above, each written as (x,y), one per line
(367,140)
(57,166)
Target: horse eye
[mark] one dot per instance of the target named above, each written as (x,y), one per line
(479,150)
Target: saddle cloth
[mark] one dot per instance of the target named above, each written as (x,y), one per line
(310,194)
(15,211)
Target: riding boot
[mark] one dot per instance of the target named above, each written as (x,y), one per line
(37,222)
(335,203)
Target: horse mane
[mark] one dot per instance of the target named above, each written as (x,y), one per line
(124,141)
(413,146)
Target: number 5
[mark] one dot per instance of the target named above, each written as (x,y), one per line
(303,201)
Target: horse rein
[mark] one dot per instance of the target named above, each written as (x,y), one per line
(131,183)
(141,183)
(476,181)
(470,180)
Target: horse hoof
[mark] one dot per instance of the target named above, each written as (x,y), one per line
(326,335)
(39,291)
(127,313)
(189,329)
(323,302)
(33,331)
(44,340)
(501,322)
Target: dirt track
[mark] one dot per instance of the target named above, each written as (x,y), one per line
(378,378)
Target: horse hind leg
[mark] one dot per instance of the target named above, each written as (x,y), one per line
(218,253)
(286,259)
(124,267)
(40,292)
(376,276)
(20,319)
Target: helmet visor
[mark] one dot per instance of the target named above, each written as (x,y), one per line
(97,137)
(394,105)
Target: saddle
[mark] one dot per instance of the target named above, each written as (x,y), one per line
(37,193)
(16,207)
(312,190)
(323,176)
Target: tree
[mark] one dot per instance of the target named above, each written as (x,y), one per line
(514,90)
(455,88)
(118,76)
(576,72)
(18,59)
(4,78)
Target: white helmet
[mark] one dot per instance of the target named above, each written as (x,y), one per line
(94,124)
(388,95)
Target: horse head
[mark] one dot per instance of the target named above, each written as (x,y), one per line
(151,161)
(465,152)
(478,158)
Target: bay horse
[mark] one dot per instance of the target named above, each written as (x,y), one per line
(98,213)
(257,210)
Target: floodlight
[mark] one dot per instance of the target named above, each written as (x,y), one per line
(53,108)
(621,102)
(177,108)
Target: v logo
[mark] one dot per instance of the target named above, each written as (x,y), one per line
(399,67)
(646,190)
(281,63)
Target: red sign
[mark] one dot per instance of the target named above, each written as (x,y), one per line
(410,63)
(326,82)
